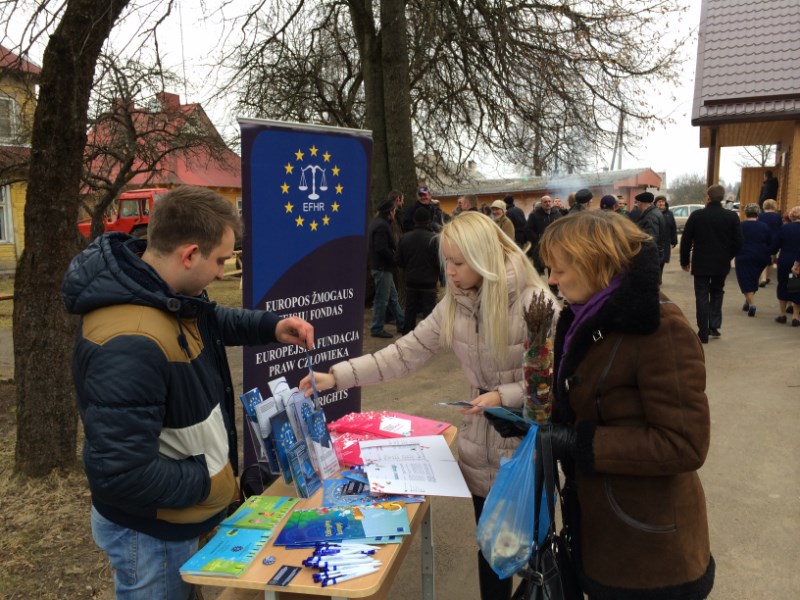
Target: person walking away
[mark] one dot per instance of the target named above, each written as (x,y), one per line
(582,200)
(608,202)
(787,246)
(770,215)
(711,238)
(418,256)
(500,218)
(539,219)
(651,221)
(753,256)
(517,217)
(154,389)
(490,284)
(630,437)
(670,239)
(769,189)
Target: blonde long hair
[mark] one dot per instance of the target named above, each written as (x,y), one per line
(488,251)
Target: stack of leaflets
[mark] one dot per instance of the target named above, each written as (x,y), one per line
(240,537)
(294,436)
(388,424)
(384,522)
(376,425)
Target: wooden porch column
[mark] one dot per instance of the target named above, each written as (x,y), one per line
(712,169)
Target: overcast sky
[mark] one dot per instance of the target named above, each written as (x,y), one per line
(673,149)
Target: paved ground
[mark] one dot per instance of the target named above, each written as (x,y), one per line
(751,477)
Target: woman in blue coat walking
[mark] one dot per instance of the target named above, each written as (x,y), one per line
(787,244)
(753,256)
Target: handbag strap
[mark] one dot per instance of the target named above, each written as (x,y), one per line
(545,481)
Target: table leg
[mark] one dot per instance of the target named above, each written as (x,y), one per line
(426,531)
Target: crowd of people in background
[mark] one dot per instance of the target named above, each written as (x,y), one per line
(763,247)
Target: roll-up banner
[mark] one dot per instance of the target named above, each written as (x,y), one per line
(305,202)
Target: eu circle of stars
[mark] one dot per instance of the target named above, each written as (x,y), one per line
(310,172)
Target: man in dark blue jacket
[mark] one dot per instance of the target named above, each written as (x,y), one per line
(711,238)
(382,248)
(154,389)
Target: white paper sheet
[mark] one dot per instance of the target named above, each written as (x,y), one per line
(413,465)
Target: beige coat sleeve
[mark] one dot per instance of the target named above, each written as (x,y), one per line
(407,354)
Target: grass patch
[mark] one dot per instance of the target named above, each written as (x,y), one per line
(226,292)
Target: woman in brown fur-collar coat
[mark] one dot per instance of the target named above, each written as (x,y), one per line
(631,418)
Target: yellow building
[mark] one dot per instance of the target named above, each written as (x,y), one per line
(18,80)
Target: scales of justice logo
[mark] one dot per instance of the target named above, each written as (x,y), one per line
(305,181)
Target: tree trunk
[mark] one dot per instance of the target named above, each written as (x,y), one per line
(46,413)
(397,98)
(369,47)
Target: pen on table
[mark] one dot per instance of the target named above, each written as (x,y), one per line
(335,580)
(340,565)
(342,551)
(333,560)
(328,574)
(345,544)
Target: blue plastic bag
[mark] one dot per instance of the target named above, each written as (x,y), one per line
(505,529)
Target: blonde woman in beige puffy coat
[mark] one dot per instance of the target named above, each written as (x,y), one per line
(490,283)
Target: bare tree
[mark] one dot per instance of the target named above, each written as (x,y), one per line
(75,31)
(687,189)
(136,127)
(756,156)
(537,84)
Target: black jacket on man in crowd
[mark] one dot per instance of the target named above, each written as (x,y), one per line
(769,189)
(517,218)
(711,237)
(538,221)
(381,244)
(437,217)
(651,221)
(418,256)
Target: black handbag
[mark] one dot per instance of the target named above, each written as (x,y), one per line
(550,574)
(793,284)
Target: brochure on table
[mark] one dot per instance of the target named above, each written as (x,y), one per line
(413,465)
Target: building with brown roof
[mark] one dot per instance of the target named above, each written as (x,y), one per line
(527,191)
(747,88)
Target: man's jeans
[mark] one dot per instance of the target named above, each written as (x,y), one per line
(708,293)
(385,298)
(145,568)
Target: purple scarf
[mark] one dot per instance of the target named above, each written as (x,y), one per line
(583,312)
